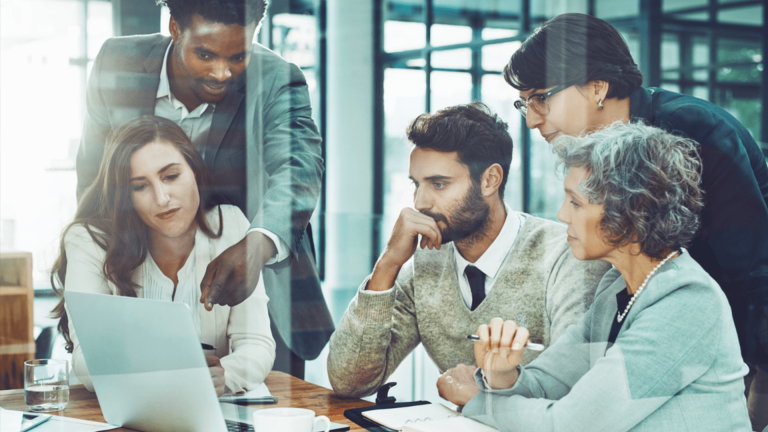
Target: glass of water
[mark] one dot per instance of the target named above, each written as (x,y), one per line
(46,384)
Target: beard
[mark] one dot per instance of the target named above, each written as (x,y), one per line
(468,222)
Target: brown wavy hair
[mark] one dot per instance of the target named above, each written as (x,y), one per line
(106,210)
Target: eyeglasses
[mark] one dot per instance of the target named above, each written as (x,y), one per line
(539,102)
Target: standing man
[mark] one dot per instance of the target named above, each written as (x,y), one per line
(247,111)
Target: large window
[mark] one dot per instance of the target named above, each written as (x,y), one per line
(714,52)
(48,47)
(437,53)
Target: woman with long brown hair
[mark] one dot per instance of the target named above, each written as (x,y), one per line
(147,228)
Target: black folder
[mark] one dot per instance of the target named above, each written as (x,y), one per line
(356,415)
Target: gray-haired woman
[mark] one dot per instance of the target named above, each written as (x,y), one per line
(658,350)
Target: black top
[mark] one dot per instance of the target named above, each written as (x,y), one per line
(622,300)
(732,243)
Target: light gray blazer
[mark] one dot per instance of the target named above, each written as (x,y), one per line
(675,366)
(263,151)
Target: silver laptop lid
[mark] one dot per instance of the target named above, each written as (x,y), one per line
(146,364)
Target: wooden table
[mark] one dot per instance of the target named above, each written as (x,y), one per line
(290,392)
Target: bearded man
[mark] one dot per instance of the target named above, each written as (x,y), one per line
(476,260)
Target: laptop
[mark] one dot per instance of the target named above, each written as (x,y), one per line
(147,366)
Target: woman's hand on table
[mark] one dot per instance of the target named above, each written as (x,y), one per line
(217,374)
(458,385)
(500,351)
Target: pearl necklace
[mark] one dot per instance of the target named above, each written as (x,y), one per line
(621,316)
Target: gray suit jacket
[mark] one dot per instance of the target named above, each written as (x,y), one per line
(263,150)
(675,366)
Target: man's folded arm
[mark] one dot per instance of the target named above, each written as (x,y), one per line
(376,333)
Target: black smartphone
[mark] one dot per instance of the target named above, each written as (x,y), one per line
(30,420)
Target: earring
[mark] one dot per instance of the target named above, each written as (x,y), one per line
(600,104)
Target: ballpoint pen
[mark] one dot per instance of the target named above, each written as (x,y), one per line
(530,345)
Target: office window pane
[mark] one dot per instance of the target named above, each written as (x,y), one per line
(404,99)
(496,56)
(450,88)
(294,37)
(443,34)
(671,87)
(676,5)
(546,186)
(743,105)
(606,9)
(499,96)
(670,56)
(739,51)
(741,61)
(452,59)
(42,108)
(498,33)
(700,51)
(99,25)
(752,15)
(633,42)
(549,9)
(693,16)
(701,75)
(457,10)
(403,36)
(700,92)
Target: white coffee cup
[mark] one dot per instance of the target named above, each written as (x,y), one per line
(287,420)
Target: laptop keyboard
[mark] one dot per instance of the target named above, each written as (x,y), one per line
(234,426)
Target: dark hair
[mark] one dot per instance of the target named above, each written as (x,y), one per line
(478,135)
(106,210)
(240,12)
(574,49)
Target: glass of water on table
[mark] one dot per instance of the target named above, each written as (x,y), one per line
(46,384)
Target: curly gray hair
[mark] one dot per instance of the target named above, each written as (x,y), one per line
(647,179)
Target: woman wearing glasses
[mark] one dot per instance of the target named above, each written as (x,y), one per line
(575,75)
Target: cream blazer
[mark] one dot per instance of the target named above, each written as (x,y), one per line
(241,333)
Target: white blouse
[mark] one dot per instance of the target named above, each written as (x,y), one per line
(157,286)
(241,334)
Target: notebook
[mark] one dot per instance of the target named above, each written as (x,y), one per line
(260,394)
(426,418)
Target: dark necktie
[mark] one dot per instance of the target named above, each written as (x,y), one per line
(476,279)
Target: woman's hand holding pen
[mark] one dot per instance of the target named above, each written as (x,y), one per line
(499,351)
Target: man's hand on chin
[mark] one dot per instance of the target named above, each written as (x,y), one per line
(232,276)
(402,245)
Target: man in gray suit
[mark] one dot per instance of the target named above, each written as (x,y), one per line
(247,111)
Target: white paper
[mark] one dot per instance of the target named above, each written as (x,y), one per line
(68,424)
(261,391)
(397,418)
(456,424)
(10,420)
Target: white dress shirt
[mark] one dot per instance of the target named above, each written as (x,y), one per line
(492,259)
(241,334)
(197,125)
